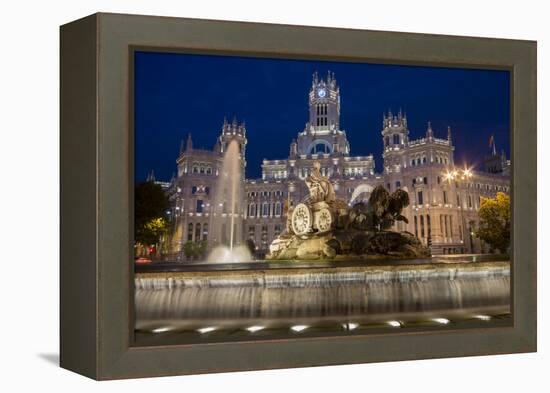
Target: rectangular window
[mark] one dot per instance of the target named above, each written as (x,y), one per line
(420,198)
(397,185)
(422,226)
(200,206)
(445,201)
(415,226)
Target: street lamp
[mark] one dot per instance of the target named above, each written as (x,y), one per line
(459,176)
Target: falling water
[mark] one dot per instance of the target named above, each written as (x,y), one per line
(226,227)
(295,296)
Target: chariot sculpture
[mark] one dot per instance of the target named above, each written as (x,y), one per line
(323,226)
(321,211)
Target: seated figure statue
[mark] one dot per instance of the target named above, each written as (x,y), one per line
(320,188)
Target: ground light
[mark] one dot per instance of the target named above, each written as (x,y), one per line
(299,328)
(442,321)
(162,329)
(350,326)
(206,329)
(254,329)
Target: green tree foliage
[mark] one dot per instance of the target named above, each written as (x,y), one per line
(189,249)
(195,250)
(382,210)
(494,222)
(150,204)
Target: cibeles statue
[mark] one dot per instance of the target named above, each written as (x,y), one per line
(320,211)
(320,187)
(310,224)
(322,226)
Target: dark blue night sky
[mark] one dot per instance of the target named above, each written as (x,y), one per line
(177,94)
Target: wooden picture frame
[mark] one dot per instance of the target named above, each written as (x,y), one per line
(97,183)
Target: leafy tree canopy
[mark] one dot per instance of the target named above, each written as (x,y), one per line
(494,221)
(150,205)
(197,249)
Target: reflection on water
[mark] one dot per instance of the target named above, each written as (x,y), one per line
(298,300)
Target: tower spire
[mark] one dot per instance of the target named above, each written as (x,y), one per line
(449,136)
(189,146)
(429,131)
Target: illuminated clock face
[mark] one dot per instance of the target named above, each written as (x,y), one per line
(321,93)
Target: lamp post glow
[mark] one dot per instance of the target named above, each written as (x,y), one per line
(460,176)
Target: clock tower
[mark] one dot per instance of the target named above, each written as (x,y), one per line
(324,105)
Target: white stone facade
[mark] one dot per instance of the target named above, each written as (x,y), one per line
(444,198)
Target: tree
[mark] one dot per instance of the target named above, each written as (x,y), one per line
(200,249)
(151,204)
(189,249)
(494,222)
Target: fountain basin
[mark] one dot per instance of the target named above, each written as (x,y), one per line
(316,297)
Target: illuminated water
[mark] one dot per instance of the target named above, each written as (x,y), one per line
(256,299)
(227,208)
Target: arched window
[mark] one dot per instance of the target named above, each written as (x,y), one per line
(190,232)
(265,209)
(195,168)
(319,146)
(204,232)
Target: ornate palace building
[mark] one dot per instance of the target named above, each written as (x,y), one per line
(444,198)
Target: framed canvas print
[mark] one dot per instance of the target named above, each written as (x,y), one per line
(240,196)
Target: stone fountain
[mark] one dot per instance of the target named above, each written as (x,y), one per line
(325,227)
